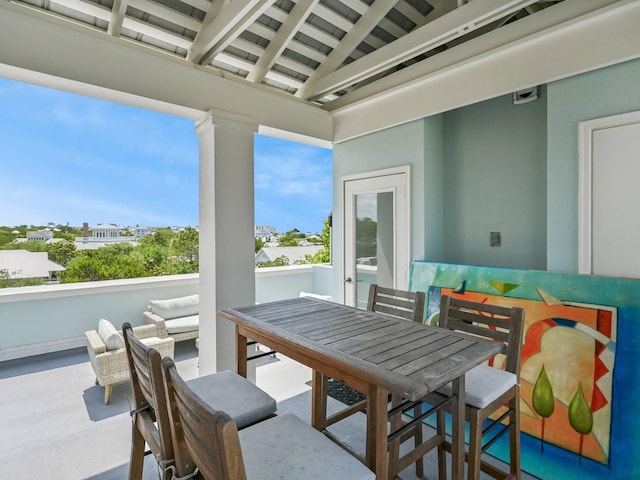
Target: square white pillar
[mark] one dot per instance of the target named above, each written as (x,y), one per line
(227,257)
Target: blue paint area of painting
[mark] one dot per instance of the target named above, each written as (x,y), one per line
(551,462)
(547,461)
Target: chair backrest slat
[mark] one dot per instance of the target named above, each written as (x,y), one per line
(494,322)
(152,417)
(397,303)
(203,437)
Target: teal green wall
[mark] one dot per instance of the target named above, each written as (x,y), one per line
(394,147)
(495,166)
(605,92)
(495,181)
(474,170)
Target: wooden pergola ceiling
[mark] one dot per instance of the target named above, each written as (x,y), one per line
(316,50)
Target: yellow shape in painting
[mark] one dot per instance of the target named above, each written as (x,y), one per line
(503,287)
(548,298)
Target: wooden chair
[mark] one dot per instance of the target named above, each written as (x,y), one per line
(407,306)
(397,303)
(281,447)
(389,301)
(245,402)
(492,391)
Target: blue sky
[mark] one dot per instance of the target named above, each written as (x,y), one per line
(71,159)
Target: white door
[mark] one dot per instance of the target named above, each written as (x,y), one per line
(376,232)
(610,202)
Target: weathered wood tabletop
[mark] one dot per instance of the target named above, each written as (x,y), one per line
(369,351)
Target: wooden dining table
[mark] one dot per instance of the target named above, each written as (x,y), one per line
(376,354)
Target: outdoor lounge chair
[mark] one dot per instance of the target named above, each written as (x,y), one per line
(108,356)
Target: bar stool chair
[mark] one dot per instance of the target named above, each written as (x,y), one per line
(406,306)
(492,392)
(282,447)
(246,404)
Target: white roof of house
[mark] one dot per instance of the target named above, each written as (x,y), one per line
(25,264)
(294,254)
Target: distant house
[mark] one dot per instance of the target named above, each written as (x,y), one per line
(16,264)
(103,234)
(294,254)
(142,231)
(265,232)
(40,235)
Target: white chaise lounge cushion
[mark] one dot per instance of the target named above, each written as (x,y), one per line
(176,307)
(183,324)
(307,451)
(110,335)
(315,295)
(483,385)
(234,395)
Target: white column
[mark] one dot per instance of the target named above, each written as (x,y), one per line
(227,261)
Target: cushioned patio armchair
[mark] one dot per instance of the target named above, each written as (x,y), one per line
(108,355)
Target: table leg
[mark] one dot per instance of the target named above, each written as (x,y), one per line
(394,446)
(241,353)
(376,454)
(319,400)
(457,429)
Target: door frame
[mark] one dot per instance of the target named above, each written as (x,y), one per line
(586,131)
(403,247)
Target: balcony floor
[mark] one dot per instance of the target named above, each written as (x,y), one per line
(55,425)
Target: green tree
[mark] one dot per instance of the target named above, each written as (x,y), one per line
(186,245)
(324,255)
(112,262)
(366,237)
(161,237)
(281,261)
(62,252)
(259,244)
(291,238)
(543,400)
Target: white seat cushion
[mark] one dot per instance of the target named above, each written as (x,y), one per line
(111,337)
(285,447)
(483,385)
(176,307)
(183,324)
(234,395)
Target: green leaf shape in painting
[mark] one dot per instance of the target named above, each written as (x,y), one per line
(580,415)
(542,395)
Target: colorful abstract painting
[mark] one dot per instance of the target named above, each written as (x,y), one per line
(574,367)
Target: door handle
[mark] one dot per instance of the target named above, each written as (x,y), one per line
(348,280)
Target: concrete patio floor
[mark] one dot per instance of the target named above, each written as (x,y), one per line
(55,425)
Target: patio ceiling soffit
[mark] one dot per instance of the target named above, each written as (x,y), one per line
(315,50)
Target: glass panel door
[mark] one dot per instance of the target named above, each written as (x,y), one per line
(376,235)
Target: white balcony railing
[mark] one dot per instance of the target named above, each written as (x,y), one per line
(36,320)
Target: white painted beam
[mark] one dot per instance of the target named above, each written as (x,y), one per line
(157,33)
(168,14)
(87,8)
(349,42)
(285,33)
(459,22)
(117,16)
(224,28)
(203,5)
(332,17)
